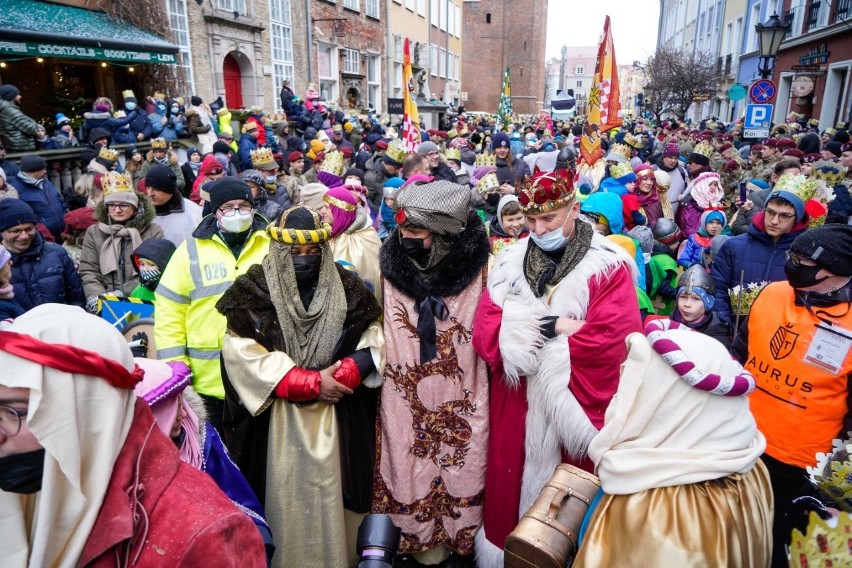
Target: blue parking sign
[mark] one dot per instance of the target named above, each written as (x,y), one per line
(757,116)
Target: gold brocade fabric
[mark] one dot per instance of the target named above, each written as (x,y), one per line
(360,249)
(726,522)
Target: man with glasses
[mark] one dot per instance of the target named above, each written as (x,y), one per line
(437,168)
(188,328)
(759,254)
(798,346)
(36,190)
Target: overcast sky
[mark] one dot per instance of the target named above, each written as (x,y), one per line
(576,23)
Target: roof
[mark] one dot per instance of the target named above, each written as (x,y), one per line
(35,21)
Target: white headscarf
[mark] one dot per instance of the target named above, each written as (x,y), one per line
(81,421)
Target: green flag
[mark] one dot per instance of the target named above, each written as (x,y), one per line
(504,111)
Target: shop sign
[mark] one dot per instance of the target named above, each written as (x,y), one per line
(28,49)
(815,56)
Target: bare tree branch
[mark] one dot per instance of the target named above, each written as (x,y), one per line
(677,79)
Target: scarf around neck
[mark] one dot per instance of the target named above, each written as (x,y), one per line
(111,249)
(31,180)
(541,271)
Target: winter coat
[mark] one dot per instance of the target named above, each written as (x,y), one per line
(178,218)
(65,140)
(247,144)
(205,133)
(187,520)
(189,175)
(16,129)
(693,249)
(757,255)
(170,130)
(139,125)
(45,274)
(444,172)
(374,179)
(45,201)
(124,278)
(680,179)
(10,309)
(95,119)
(515,175)
(47,144)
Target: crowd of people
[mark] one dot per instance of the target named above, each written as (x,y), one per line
(344,326)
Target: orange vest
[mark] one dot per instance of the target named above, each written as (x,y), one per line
(799,407)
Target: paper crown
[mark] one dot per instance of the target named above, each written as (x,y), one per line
(488,182)
(743,298)
(622,150)
(825,543)
(704,149)
(159,144)
(333,164)
(119,114)
(262,157)
(452,133)
(840,126)
(546,191)
(829,172)
(485,159)
(108,155)
(159,95)
(127,94)
(396,151)
(114,182)
(632,141)
(453,154)
(801,186)
(620,169)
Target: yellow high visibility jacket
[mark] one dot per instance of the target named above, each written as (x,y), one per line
(187,325)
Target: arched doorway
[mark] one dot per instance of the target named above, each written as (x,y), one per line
(233,82)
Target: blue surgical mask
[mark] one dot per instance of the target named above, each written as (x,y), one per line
(175,110)
(271,179)
(130,105)
(552,240)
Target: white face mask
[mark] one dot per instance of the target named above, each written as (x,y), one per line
(238,222)
(552,240)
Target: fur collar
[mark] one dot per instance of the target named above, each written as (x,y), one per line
(465,261)
(143,218)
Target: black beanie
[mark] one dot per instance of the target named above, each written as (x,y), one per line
(14,212)
(32,163)
(354,172)
(9,92)
(701,159)
(162,178)
(830,246)
(226,189)
(158,251)
(195,100)
(834,148)
(220,147)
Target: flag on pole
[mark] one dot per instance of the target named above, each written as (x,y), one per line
(504,111)
(410,115)
(604,104)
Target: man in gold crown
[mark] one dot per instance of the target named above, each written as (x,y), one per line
(161,153)
(555,302)
(263,161)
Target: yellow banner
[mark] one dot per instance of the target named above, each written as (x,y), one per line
(604,104)
(410,115)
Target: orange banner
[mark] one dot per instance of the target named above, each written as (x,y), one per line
(604,103)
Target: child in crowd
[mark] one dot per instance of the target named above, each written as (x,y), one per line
(664,269)
(713,222)
(387,221)
(704,193)
(508,225)
(150,260)
(623,184)
(695,300)
(43,141)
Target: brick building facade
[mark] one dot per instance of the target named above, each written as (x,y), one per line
(500,34)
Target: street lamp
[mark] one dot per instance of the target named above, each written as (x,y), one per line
(770,36)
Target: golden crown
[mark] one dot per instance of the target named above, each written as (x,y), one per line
(159,144)
(107,154)
(396,151)
(833,474)
(704,149)
(801,186)
(119,114)
(824,542)
(743,298)
(546,191)
(452,133)
(829,172)
(159,95)
(262,157)
(485,159)
(453,154)
(631,140)
(621,149)
(620,169)
(114,182)
(127,94)
(333,164)
(488,182)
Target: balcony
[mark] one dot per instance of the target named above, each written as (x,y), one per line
(728,61)
(813,16)
(790,19)
(840,11)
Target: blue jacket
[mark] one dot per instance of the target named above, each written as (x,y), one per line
(10,309)
(247,144)
(105,120)
(46,202)
(168,131)
(757,255)
(45,274)
(692,251)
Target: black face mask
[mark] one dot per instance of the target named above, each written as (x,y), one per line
(414,248)
(22,473)
(802,276)
(307,268)
(492,199)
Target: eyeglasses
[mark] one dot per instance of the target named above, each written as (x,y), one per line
(10,420)
(783,216)
(227,211)
(119,205)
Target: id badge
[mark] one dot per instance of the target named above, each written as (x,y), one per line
(829,348)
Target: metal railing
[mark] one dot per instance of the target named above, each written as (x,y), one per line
(840,10)
(813,16)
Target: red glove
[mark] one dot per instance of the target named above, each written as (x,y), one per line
(348,374)
(299,385)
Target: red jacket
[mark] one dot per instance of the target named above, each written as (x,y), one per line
(190,521)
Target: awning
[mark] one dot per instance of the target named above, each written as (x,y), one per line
(30,28)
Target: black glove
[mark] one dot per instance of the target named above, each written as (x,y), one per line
(139,344)
(547,326)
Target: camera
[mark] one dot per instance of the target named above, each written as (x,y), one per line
(378,542)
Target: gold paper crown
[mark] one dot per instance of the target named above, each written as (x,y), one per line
(452,133)
(396,151)
(546,191)
(704,149)
(631,140)
(829,172)
(840,126)
(743,298)
(159,95)
(333,164)
(453,154)
(114,182)
(488,182)
(822,544)
(621,149)
(801,186)
(107,154)
(620,169)
(391,133)
(485,159)
(119,114)
(127,94)
(833,474)
(262,157)
(159,144)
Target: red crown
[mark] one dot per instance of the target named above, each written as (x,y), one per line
(546,191)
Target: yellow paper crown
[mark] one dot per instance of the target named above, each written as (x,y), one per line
(743,298)
(453,154)
(488,182)
(118,114)
(822,544)
(631,140)
(801,186)
(127,94)
(452,133)
(159,95)
(396,151)
(622,150)
(107,154)
(159,144)
(485,159)
(829,172)
(833,474)
(333,164)
(114,182)
(704,149)
(262,157)
(620,169)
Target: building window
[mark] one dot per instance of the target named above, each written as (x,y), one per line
(372,8)
(442,63)
(352,4)
(433,59)
(579,84)
(451,19)
(421,8)
(180,27)
(351,61)
(488,18)
(281,36)
(580,70)
(458,20)
(409,4)
(327,65)
(238,6)
(374,79)
(752,34)
(435,14)
(442,7)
